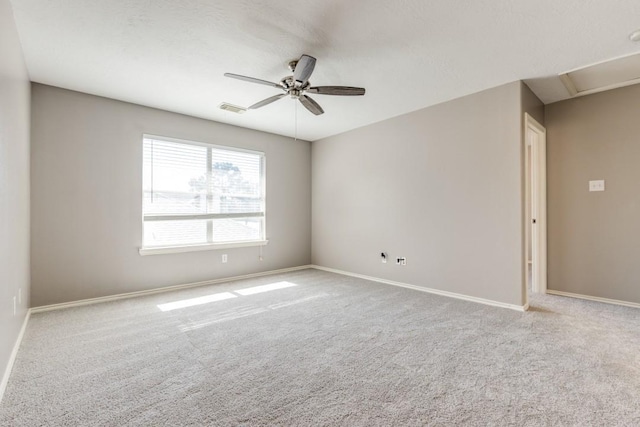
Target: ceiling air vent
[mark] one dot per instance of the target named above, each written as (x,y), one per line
(233,108)
(606,75)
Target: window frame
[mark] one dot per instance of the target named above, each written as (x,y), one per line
(155,250)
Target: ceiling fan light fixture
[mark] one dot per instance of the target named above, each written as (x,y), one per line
(635,36)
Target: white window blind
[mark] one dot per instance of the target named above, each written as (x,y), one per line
(198,194)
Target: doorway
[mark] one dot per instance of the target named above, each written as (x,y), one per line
(536,205)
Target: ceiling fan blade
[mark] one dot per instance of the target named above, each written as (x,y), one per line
(266,101)
(337,90)
(304,68)
(311,105)
(252,80)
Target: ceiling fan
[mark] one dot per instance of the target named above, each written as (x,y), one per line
(298,85)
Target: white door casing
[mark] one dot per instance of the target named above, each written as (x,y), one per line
(536,140)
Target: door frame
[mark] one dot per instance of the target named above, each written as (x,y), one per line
(535,136)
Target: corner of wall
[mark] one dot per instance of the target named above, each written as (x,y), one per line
(15,111)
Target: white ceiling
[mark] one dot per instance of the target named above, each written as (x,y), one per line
(171,54)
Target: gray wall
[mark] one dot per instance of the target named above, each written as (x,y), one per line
(441,186)
(86,197)
(531,104)
(594,238)
(14,183)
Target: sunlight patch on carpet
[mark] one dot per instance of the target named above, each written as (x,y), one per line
(265,288)
(196,301)
(223,296)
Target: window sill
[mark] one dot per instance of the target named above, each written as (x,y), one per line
(195,248)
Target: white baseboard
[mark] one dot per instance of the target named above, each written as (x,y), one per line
(597,299)
(428,290)
(161,290)
(268,273)
(12,358)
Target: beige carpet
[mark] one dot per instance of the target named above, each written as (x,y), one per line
(315,348)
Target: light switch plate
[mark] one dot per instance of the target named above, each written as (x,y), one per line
(596,185)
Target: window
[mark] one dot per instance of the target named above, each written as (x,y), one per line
(200,196)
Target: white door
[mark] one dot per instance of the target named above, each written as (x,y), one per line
(536,139)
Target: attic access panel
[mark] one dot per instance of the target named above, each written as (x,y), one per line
(603,76)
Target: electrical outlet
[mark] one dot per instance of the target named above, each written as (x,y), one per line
(401,261)
(597,185)
(224,258)
(383,257)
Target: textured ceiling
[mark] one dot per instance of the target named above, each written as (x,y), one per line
(171,54)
